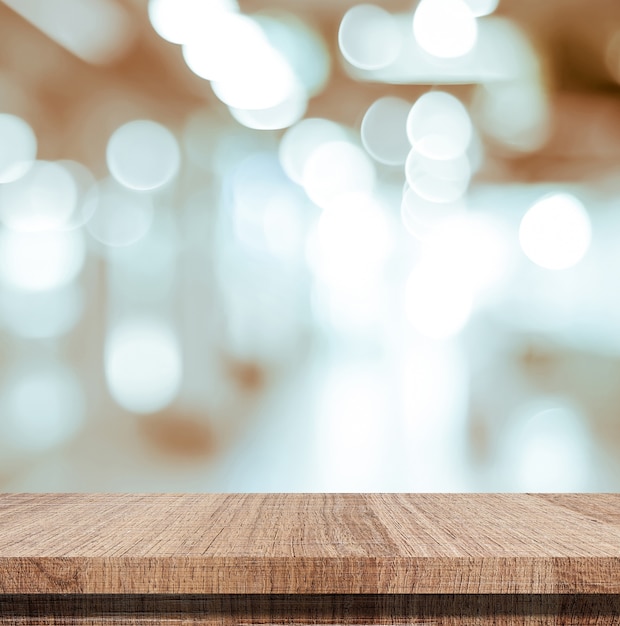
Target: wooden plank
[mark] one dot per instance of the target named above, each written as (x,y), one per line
(309,543)
(326,610)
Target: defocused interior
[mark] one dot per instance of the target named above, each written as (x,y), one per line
(309,246)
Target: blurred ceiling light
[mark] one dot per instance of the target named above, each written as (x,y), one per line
(41,314)
(369,37)
(384,130)
(421,216)
(482,7)
(437,303)
(445,28)
(42,199)
(437,180)
(180,21)
(40,260)
(18,147)
(143,365)
(438,126)
(43,407)
(335,168)
(299,142)
(555,233)
(143,155)
(501,53)
(120,217)
(96,31)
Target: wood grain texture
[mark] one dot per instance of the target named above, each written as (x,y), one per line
(309,544)
(319,610)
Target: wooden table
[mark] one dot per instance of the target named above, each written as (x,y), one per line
(310,558)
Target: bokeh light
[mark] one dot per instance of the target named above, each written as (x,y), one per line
(41,314)
(555,233)
(43,407)
(421,216)
(354,239)
(444,180)
(369,37)
(40,260)
(472,247)
(143,365)
(335,168)
(547,448)
(445,28)
(438,126)
(219,214)
(301,45)
(18,147)
(143,155)
(515,113)
(180,21)
(437,303)
(482,7)
(42,199)
(118,216)
(384,130)
(300,141)
(282,115)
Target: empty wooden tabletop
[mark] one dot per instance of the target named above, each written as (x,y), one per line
(310,543)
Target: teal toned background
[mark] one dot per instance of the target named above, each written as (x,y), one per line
(309,246)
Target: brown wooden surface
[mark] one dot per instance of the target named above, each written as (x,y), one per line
(309,543)
(319,610)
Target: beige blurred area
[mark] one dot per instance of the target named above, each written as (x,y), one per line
(386,262)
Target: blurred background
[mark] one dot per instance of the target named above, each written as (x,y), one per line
(309,246)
